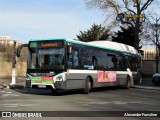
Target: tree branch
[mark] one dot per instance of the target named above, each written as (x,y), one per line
(111,4)
(126,6)
(140,24)
(146,5)
(154,41)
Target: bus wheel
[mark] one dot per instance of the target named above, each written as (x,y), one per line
(138,81)
(156,83)
(128,83)
(54,92)
(87,86)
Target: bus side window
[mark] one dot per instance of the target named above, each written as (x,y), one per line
(133,63)
(120,64)
(127,62)
(70,61)
(95,62)
(111,62)
(87,59)
(73,59)
(104,64)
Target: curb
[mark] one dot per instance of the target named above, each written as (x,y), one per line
(145,87)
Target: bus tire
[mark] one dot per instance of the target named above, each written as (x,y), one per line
(54,92)
(87,86)
(156,83)
(128,83)
(138,81)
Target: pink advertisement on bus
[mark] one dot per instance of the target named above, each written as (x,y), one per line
(106,76)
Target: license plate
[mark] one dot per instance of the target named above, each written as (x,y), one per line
(42,86)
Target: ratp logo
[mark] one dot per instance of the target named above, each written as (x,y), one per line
(6,114)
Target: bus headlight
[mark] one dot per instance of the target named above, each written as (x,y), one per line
(27,78)
(59,78)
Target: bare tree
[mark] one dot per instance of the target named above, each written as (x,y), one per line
(151,31)
(131,12)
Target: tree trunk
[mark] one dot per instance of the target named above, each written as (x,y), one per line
(137,28)
(136,39)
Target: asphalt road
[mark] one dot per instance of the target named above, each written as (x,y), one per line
(111,99)
(144,97)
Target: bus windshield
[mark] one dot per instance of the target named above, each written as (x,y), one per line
(46,58)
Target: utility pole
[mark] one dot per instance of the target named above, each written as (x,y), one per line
(14,64)
(157,43)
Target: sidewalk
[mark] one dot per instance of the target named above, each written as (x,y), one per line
(6,81)
(147,84)
(146,87)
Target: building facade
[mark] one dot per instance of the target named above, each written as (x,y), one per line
(149,54)
(7,40)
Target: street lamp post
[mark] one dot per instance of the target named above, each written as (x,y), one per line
(157,59)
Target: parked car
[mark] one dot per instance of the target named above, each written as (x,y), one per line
(156,78)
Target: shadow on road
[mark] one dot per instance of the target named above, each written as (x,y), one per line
(147,82)
(48,92)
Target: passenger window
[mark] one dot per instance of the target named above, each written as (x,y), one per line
(111,62)
(73,59)
(87,59)
(120,64)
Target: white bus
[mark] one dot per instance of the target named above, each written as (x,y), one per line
(62,64)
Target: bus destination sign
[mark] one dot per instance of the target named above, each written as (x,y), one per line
(49,45)
(45,44)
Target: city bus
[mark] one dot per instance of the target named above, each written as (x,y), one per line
(64,64)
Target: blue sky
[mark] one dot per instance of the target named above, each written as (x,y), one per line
(29,19)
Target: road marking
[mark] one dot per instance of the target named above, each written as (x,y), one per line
(10,105)
(25,105)
(3,91)
(135,102)
(17,105)
(119,102)
(111,102)
(6,95)
(96,103)
(8,92)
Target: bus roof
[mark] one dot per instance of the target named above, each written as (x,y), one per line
(115,46)
(99,44)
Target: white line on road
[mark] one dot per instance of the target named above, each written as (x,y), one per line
(91,103)
(6,95)
(111,102)
(8,92)
(17,105)
(3,91)
(10,105)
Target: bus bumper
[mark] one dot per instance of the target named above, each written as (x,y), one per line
(57,85)
(28,83)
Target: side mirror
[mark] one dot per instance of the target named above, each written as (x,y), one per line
(69,49)
(18,50)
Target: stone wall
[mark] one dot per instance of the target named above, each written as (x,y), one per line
(6,65)
(149,67)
